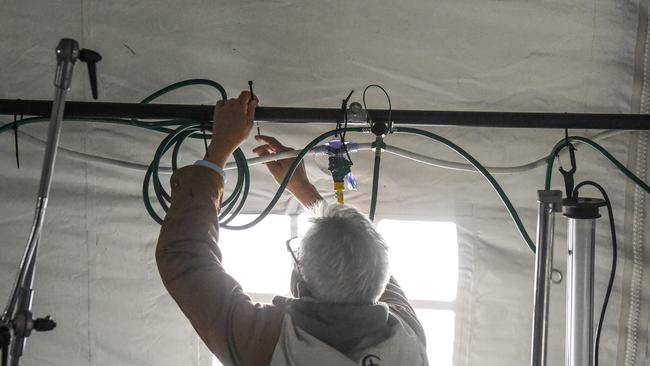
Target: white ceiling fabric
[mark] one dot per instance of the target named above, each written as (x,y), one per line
(96,271)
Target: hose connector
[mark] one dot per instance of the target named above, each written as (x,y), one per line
(339,188)
(339,166)
(378,144)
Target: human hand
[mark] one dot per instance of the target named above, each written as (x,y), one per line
(232,123)
(299,185)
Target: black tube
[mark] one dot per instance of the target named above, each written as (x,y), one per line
(327,115)
(375,181)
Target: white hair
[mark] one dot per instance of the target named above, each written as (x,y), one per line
(343,259)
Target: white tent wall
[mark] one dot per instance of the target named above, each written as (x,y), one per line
(96,271)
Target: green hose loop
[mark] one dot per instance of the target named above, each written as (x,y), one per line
(182,84)
(179,131)
(244,177)
(177,148)
(240,160)
(152,172)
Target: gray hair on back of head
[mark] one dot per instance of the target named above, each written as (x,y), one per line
(343,259)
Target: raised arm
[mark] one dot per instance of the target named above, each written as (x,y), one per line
(189,260)
(299,185)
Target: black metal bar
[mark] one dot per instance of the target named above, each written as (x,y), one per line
(327,115)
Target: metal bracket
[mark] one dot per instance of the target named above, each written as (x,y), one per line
(554,197)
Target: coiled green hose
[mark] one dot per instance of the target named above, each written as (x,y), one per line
(179,130)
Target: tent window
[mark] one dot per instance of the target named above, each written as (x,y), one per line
(257,258)
(424,259)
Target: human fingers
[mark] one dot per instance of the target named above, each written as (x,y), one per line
(273,166)
(263,150)
(252,105)
(273,143)
(218,107)
(244,97)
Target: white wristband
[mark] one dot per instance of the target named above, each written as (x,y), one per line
(214,167)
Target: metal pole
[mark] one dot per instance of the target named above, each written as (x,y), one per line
(23,321)
(581,239)
(550,202)
(67,53)
(331,115)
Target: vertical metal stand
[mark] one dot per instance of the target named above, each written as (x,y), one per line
(17,315)
(581,238)
(550,202)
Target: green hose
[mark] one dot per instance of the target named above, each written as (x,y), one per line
(152,171)
(375,186)
(565,142)
(178,130)
(504,198)
(184,83)
(176,135)
(378,145)
(291,171)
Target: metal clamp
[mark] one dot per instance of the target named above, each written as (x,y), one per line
(568,174)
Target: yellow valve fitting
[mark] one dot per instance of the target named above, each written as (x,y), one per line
(339,187)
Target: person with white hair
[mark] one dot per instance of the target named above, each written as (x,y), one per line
(346,309)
